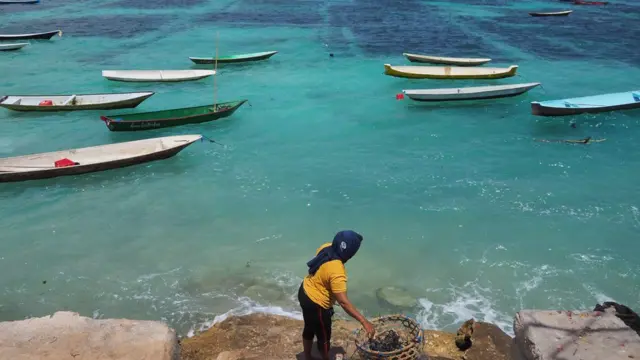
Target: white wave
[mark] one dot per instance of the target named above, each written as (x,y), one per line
(246,307)
(466,302)
(590,258)
(597,294)
(147,277)
(636,215)
(272,237)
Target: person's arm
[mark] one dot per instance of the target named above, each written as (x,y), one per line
(344,302)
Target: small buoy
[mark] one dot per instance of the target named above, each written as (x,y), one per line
(46,103)
(330,54)
(399,96)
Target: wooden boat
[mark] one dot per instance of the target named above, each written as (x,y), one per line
(578,2)
(35,36)
(169,118)
(240,58)
(446,60)
(12,47)
(585,141)
(7,2)
(449,72)
(92,159)
(588,104)
(74,102)
(156,75)
(469,93)
(557,13)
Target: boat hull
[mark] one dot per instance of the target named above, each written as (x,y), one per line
(12,47)
(90,168)
(156,76)
(494,94)
(542,110)
(37,36)
(444,60)
(210,61)
(560,13)
(114,124)
(10,2)
(118,104)
(590,2)
(395,72)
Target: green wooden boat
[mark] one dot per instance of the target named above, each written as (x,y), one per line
(172,117)
(240,58)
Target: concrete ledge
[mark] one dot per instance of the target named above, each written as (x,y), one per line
(69,336)
(566,335)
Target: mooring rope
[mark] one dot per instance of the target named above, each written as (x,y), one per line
(203,138)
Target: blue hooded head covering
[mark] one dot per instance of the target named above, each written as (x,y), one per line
(345,244)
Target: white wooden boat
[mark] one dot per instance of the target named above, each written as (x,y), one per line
(233,59)
(8,2)
(34,36)
(74,102)
(449,72)
(92,159)
(556,13)
(12,47)
(446,60)
(469,93)
(156,75)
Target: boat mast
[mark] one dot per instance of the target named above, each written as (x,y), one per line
(215,75)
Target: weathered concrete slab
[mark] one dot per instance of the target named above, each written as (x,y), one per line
(565,335)
(69,336)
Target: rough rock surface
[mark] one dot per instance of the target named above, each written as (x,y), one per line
(547,335)
(439,345)
(260,336)
(271,337)
(490,342)
(67,335)
(396,297)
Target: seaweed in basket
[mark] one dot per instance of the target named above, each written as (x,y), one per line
(387,341)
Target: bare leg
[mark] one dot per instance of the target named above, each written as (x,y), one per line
(307,345)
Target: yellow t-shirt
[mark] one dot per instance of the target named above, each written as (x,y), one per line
(331,278)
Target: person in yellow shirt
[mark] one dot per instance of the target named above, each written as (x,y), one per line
(325,284)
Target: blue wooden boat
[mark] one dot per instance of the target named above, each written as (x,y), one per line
(588,104)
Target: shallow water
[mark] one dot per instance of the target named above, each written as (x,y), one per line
(457,203)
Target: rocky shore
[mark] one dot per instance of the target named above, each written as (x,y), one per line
(612,333)
(271,337)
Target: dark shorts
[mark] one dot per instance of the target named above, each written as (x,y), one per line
(317,322)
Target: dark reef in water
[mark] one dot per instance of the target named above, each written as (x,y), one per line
(390,27)
(587,34)
(160,4)
(268,13)
(112,26)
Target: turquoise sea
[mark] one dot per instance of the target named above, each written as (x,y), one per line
(457,203)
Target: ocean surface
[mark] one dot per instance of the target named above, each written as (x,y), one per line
(457,203)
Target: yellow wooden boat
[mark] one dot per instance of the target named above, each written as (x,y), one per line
(449,72)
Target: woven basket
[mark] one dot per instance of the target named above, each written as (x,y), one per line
(410,333)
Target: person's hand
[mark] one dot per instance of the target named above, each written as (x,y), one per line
(369,329)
